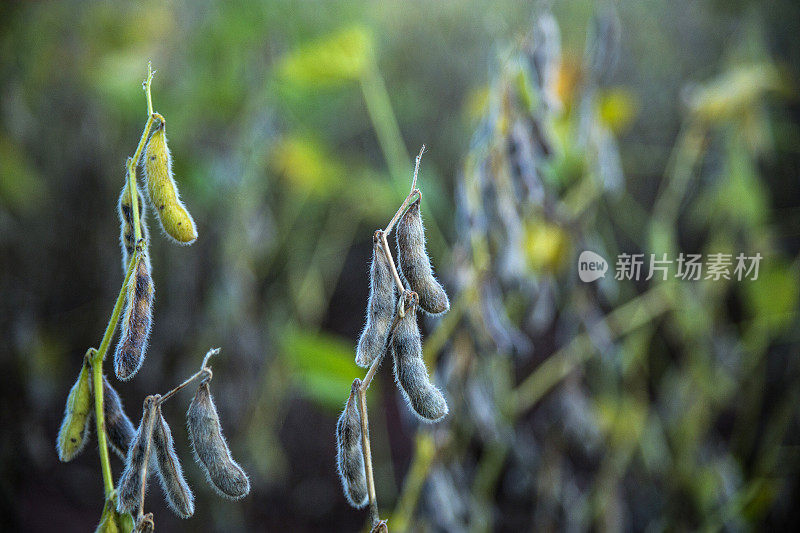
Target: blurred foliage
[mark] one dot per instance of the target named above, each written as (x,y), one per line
(630,126)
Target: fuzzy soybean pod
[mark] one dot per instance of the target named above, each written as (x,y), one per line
(176,490)
(349,454)
(422,396)
(136,320)
(74,430)
(134,476)
(414,264)
(119,428)
(127,239)
(146,524)
(210,449)
(380,306)
(173,215)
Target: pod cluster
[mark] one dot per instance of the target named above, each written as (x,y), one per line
(148,448)
(391,325)
(79,413)
(152,451)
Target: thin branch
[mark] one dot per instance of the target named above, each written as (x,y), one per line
(134,160)
(407,202)
(393,268)
(149,434)
(416,167)
(146,86)
(99,355)
(204,371)
(400,313)
(96,360)
(401,310)
(373,502)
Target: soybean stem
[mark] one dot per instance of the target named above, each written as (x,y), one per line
(393,268)
(100,354)
(134,160)
(373,369)
(148,431)
(173,392)
(416,167)
(97,379)
(373,502)
(204,369)
(146,86)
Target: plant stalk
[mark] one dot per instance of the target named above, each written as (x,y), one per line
(373,501)
(97,381)
(204,370)
(149,432)
(99,355)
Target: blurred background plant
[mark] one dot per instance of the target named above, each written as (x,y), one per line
(635,127)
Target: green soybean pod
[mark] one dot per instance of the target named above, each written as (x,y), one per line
(175,219)
(74,431)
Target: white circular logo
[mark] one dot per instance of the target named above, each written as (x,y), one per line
(591,266)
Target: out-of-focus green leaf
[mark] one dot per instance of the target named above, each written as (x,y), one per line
(21,187)
(305,165)
(547,246)
(322,366)
(337,58)
(772,299)
(617,109)
(735,92)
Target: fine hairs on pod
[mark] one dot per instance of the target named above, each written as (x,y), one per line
(119,428)
(146,524)
(380,306)
(415,265)
(175,219)
(210,448)
(349,456)
(422,396)
(129,486)
(177,492)
(74,432)
(136,320)
(127,239)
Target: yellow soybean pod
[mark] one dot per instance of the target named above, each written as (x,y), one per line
(74,432)
(175,219)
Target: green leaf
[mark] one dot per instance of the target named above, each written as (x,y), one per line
(773,298)
(338,58)
(322,366)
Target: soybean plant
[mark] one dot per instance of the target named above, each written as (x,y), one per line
(149,448)
(391,325)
